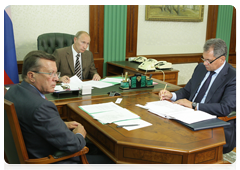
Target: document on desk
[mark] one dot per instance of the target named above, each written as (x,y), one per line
(127,124)
(171,110)
(108,112)
(98,84)
(75,84)
(113,80)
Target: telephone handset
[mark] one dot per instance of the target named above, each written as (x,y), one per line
(163,65)
(148,65)
(140,59)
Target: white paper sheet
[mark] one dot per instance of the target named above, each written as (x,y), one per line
(139,122)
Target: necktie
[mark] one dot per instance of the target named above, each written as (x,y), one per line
(204,88)
(78,70)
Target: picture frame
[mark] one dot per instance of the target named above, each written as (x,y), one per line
(180,13)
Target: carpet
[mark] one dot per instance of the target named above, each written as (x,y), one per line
(231,157)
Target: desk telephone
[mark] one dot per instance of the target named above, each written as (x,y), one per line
(140,59)
(152,65)
(163,65)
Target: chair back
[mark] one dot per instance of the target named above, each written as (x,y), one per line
(14,146)
(49,42)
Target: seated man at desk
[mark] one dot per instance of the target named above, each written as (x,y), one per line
(43,130)
(212,88)
(76,60)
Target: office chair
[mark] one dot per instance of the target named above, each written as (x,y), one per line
(15,148)
(49,42)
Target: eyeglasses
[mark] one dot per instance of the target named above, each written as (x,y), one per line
(210,62)
(52,74)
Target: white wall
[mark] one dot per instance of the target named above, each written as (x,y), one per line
(167,37)
(30,21)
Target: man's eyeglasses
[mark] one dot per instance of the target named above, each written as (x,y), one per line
(52,74)
(210,62)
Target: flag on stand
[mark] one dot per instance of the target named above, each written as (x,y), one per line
(10,59)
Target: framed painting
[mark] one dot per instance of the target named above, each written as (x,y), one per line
(181,13)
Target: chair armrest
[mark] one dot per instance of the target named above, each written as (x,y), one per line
(59,156)
(231,116)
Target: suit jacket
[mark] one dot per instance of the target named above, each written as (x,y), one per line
(65,63)
(43,130)
(221,98)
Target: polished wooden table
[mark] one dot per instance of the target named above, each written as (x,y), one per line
(165,142)
(64,99)
(119,67)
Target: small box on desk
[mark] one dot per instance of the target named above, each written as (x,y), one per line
(86,90)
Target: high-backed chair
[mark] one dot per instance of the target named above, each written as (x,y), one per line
(14,145)
(49,42)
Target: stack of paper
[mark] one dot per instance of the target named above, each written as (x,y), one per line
(171,110)
(108,112)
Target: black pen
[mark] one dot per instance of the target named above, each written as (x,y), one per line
(127,125)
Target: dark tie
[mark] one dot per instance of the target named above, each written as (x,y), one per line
(78,70)
(204,88)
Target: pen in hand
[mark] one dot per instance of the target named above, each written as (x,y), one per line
(119,126)
(164,91)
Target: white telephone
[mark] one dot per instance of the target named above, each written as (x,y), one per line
(148,65)
(163,65)
(140,59)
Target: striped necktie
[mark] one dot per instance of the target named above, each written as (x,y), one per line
(204,88)
(78,70)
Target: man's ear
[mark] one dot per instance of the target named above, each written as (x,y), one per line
(31,76)
(223,58)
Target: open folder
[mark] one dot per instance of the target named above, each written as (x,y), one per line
(195,120)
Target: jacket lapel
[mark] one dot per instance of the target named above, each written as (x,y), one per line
(217,82)
(198,81)
(69,57)
(84,59)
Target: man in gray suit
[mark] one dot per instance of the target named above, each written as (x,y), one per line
(219,97)
(67,59)
(43,130)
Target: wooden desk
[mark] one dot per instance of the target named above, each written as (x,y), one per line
(166,141)
(119,67)
(64,99)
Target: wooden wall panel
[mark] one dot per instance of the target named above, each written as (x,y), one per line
(96,31)
(212,21)
(232,50)
(132,26)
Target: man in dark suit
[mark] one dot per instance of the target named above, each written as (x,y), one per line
(43,130)
(67,59)
(219,97)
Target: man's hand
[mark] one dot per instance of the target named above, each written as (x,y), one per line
(184,102)
(96,77)
(165,95)
(72,125)
(80,129)
(65,79)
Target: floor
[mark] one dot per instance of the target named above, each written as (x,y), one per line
(230,157)
(235,150)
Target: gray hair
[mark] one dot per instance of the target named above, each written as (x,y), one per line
(219,47)
(30,62)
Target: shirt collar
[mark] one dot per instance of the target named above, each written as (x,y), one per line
(42,95)
(74,52)
(220,68)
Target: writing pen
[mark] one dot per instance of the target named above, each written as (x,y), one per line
(119,126)
(164,90)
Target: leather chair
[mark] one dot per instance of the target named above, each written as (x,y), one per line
(15,151)
(49,42)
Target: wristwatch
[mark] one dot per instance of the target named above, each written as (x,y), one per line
(194,105)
